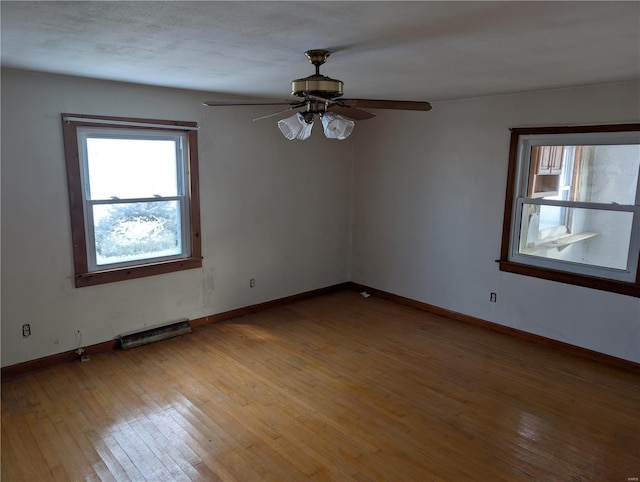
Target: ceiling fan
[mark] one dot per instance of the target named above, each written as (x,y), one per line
(322,96)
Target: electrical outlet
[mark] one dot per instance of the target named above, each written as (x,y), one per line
(26,330)
(493,297)
(252,283)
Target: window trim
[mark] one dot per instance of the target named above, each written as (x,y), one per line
(85,277)
(513,178)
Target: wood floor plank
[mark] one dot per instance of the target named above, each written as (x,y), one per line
(121,456)
(10,463)
(179,466)
(99,444)
(28,462)
(52,447)
(337,387)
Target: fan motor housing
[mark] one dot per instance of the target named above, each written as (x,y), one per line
(318,85)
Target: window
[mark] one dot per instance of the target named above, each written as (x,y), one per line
(572,211)
(133,195)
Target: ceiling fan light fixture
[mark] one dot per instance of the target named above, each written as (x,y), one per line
(295,127)
(336,126)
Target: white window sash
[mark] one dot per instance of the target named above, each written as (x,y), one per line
(626,274)
(182,177)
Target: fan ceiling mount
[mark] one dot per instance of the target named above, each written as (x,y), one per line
(322,96)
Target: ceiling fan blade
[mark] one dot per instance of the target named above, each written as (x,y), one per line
(226,103)
(386,104)
(279,112)
(350,112)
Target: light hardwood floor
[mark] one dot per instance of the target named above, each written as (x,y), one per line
(338,388)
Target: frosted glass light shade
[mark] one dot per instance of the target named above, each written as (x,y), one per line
(295,127)
(336,126)
(305,132)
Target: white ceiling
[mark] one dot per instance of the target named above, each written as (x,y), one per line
(385,50)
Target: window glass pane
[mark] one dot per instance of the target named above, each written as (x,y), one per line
(552,217)
(131,168)
(135,231)
(588,173)
(593,236)
(608,174)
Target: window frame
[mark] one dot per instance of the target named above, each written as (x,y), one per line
(84,275)
(517,179)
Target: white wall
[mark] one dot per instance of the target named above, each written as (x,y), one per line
(428,203)
(272,209)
